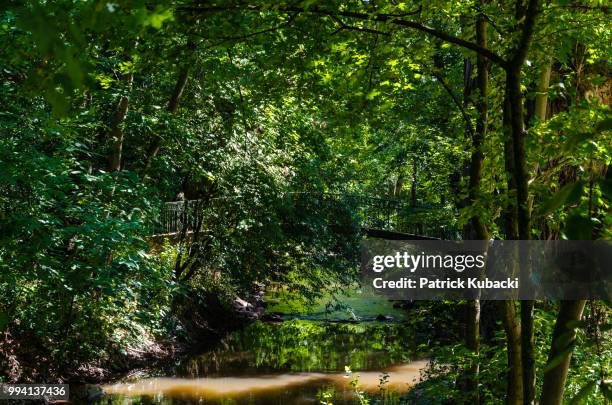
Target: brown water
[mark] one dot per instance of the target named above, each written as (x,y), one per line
(273,388)
(296,362)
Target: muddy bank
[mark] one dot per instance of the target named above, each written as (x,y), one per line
(201,320)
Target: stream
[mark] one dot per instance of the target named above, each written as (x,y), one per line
(306,359)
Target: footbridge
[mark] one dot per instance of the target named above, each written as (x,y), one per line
(374,216)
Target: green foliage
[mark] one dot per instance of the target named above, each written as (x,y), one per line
(591,357)
(257,111)
(312,346)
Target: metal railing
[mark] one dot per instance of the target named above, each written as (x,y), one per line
(369,212)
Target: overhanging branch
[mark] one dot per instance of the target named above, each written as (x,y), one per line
(453,96)
(344,26)
(374,17)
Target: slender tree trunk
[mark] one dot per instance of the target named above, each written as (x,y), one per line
(528,351)
(399,185)
(510,214)
(117,136)
(179,87)
(173,104)
(472,342)
(561,346)
(116,132)
(482,105)
(413,189)
(526,15)
(541,101)
(541,107)
(515,98)
(513,83)
(514,388)
(563,334)
(514,394)
(476,167)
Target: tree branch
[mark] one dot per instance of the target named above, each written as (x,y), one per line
(376,17)
(489,20)
(253,34)
(531,14)
(343,26)
(466,117)
(487,53)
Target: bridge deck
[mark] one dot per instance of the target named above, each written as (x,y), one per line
(372,233)
(377,217)
(392,235)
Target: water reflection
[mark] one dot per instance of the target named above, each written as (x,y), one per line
(267,389)
(289,363)
(305,346)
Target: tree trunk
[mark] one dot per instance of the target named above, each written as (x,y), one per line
(173,104)
(514,387)
(541,101)
(527,306)
(526,16)
(517,219)
(515,101)
(528,351)
(399,186)
(116,132)
(482,105)
(472,338)
(510,214)
(472,342)
(541,107)
(514,394)
(561,346)
(413,189)
(563,334)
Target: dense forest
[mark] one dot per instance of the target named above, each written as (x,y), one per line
(273,122)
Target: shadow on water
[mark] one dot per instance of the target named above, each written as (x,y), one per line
(288,363)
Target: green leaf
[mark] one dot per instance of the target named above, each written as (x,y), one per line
(372,95)
(568,194)
(4,320)
(583,393)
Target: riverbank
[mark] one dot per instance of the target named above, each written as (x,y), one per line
(288,362)
(298,349)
